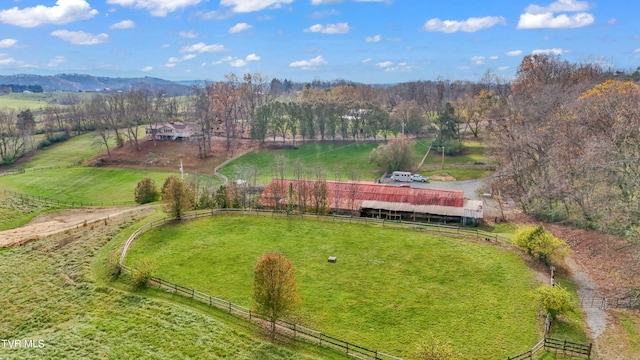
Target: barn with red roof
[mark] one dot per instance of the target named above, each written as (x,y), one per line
(374,200)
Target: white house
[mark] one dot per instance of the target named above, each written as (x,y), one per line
(174,130)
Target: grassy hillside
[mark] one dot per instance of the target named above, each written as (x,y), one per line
(82,184)
(389,289)
(51,294)
(73,151)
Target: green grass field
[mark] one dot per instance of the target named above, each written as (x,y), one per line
(73,151)
(388,290)
(19,101)
(82,184)
(37,101)
(51,293)
(336,160)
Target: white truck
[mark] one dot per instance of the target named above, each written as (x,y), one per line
(405,176)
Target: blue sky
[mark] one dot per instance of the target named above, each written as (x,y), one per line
(370,41)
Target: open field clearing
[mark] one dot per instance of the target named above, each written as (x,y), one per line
(104,186)
(336,160)
(389,289)
(54,292)
(74,151)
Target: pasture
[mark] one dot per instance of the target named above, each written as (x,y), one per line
(74,151)
(82,184)
(389,289)
(334,161)
(52,293)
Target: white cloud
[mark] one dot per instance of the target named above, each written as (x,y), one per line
(203,48)
(80,37)
(188,34)
(172,61)
(389,66)
(239,27)
(238,63)
(253,57)
(478,60)
(6,60)
(310,64)
(7,43)
(64,12)
(559,6)
(548,21)
(514,53)
(503,68)
(543,17)
(493,57)
(470,25)
(147,69)
(56,60)
(374,38)
(339,28)
(367,60)
(124,24)
(323,2)
(244,6)
(156,7)
(554,51)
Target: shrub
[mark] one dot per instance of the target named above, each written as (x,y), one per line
(434,349)
(142,274)
(554,300)
(146,191)
(540,243)
(113,264)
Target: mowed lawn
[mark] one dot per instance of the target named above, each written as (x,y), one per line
(71,152)
(389,289)
(82,184)
(337,161)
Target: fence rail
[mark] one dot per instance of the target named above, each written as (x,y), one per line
(611,303)
(553,344)
(66,203)
(567,346)
(292,329)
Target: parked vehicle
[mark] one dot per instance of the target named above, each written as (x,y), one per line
(403,176)
(420,178)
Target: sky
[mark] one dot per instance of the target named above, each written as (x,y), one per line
(367,41)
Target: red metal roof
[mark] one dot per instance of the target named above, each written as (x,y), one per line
(341,193)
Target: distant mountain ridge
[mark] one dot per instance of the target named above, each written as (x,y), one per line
(82,82)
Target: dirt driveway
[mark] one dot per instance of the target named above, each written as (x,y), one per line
(60,221)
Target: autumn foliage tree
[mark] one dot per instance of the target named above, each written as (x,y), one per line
(146,191)
(396,155)
(177,197)
(274,287)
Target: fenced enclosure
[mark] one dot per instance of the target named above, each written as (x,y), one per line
(72,204)
(284,327)
(555,345)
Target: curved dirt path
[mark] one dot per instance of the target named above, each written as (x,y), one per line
(60,221)
(594,315)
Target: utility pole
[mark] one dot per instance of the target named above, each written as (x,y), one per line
(442,157)
(181,171)
(403,130)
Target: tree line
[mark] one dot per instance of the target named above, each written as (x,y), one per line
(567,142)
(253,107)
